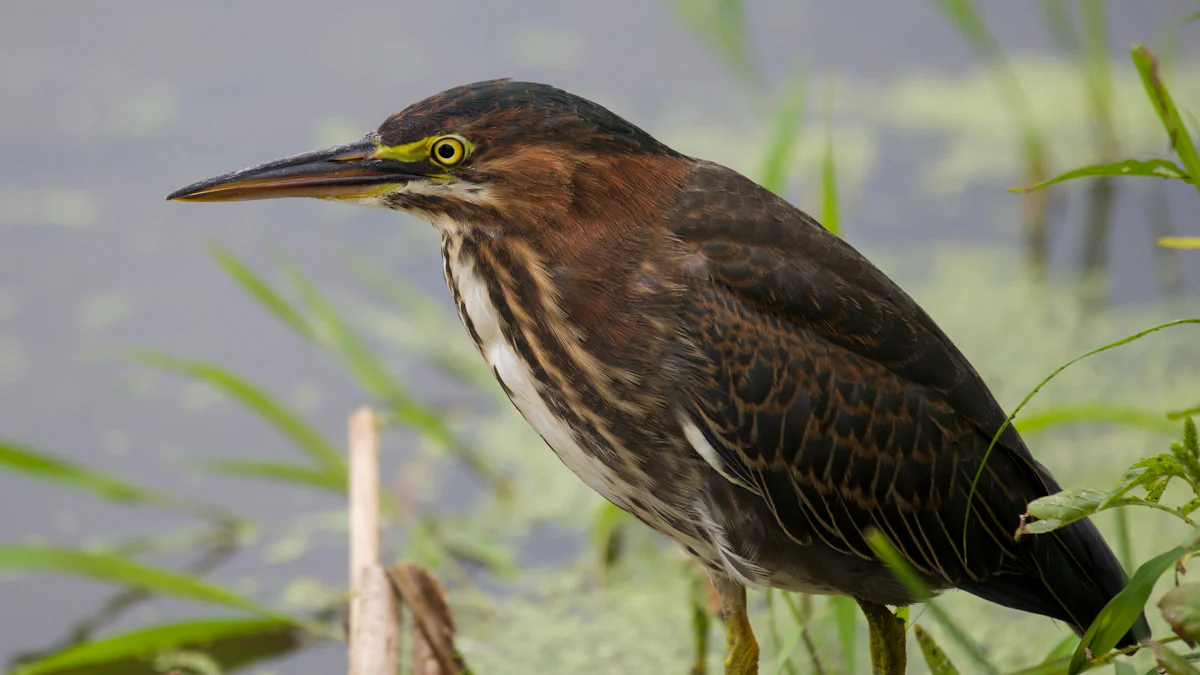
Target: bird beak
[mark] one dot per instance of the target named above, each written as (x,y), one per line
(341,172)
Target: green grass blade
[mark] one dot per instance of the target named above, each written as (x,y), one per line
(1056,667)
(786,648)
(1124,540)
(280,472)
(372,375)
(335,333)
(1008,420)
(1126,416)
(430,323)
(1153,168)
(224,537)
(1064,648)
(831,216)
(361,362)
(1189,243)
(231,643)
(287,423)
(261,291)
(122,571)
(965,16)
(606,533)
(969,22)
(935,658)
(46,467)
(1119,615)
(1180,414)
(721,24)
(781,151)
(846,614)
(1096,59)
(1058,20)
(1181,140)
(912,581)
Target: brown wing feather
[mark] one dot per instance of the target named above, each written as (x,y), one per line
(838,443)
(824,386)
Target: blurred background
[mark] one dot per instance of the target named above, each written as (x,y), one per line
(130,345)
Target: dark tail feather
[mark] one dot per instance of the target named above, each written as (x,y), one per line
(1068,575)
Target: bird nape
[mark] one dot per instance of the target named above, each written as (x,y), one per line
(709,358)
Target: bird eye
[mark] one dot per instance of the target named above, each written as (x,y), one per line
(448,151)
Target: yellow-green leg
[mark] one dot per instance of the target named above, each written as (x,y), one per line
(741,649)
(887,639)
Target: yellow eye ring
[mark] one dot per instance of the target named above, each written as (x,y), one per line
(448,151)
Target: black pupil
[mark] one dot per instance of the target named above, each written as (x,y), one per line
(446,151)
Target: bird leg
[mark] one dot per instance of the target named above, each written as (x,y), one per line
(887,639)
(741,649)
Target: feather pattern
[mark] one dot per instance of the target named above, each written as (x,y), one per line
(826,388)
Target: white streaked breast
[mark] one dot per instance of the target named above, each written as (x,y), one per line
(517,378)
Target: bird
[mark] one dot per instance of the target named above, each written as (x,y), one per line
(710,359)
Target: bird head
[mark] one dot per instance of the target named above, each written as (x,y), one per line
(496,155)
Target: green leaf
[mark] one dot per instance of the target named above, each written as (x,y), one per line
(230,642)
(1145,473)
(830,213)
(1059,509)
(281,472)
(289,424)
(846,613)
(1153,168)
(122,571)
(781,149)
(1031,394)
(935,658)
(1051,512)
(46,467)
(260,290)
(1119,615)
(888,555)
(1181,140)
(1127,416)
(1180,607)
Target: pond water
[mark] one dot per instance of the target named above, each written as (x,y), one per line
(110,107)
